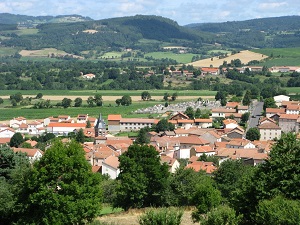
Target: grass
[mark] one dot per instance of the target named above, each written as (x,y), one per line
(4,51)
(281,62)
(29,113)
(27,31)
(109,210)
(180,58)
(108,92)
(282,52)
(292,90)
(112,54)
(38,59)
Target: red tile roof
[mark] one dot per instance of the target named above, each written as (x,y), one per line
(114,117)
(75,125)
(208,167)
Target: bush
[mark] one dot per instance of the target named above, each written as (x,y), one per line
(163,216)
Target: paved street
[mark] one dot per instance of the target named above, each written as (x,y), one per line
(255,114)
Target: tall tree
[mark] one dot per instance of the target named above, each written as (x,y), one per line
(78,102)
(66,102)
(253,134)
(247,98)
(142,178)
(145,95)
(16,140)
(190,112)
(61,188)
(269,103)
(98,100)
(164,125)
(80,136)
(126,100)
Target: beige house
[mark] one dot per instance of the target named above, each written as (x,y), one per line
(269,131)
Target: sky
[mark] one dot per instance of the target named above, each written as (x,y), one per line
(182,11)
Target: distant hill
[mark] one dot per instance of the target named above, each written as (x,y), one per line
(108,33)
(258,33)
(32,21)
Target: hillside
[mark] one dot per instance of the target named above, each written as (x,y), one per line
(32,21)
(109,33)
(256,33)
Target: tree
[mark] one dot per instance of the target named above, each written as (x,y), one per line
(18,97)
(189,111)
(269,103)
(39,96)
(13,102)
(277,211)
(16,140)
(166,96)
(205,198)
(118,101)
(247,98)
(221,215)
(66,102)
(88,124)
(143,137)
(174,96)
(1,101)
(253,134)
(142,178)
(198,113)
(90,101)
(78,102)
(126,100)
(98,100)
(245,117)
(164,125)
(145,95)
(61,188)
(80,136)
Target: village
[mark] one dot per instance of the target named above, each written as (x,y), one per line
(191,139)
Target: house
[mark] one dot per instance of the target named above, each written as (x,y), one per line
(280,98)
(16,122)
(179,116)
(200,150)
(220,112)
(203,123)
(88,76)
(269,131)
(210,71)
(288,122)
(292,109)
(186,124)
(272,111)
(32,153)
(242,109)
(236,133)
(82,118)
(207,167)
(110,167)
(172,163)
(251,156)
(229,123)
(7,133)
(232,105)
(64,128)
(33,128)
(240,143)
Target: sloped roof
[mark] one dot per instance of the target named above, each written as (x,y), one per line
(29,151)
(112,161)
(114,117)
(208,167)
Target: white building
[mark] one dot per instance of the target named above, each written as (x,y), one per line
(110,166)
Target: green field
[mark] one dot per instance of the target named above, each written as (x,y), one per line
(5,51)
(282,52)
(107,92)
(125,111)
(27,31)
(180,58)
(112,55)
(292,90)
(39,59)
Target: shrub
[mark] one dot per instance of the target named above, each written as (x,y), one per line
(163,216)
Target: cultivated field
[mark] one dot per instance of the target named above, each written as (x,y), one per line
(180,58)
(245,57)
(44,53)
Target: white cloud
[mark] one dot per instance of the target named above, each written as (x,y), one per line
(272,5)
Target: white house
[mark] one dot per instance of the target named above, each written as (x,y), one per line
(200,150)
(221,112)
(32,153)
(269,131)
(230,124)
(280,98)
(110,166)
(16,122)
(64,128)
(7,133)
(203,123)
(171,162)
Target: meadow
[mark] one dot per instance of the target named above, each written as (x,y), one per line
(6,51)
(180,58)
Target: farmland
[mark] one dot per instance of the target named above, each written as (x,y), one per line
(180,58)
(245,57)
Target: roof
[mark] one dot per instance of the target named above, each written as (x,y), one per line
(275,110)
(232,104)
(63,116)
(23,125)
(4,140)
(206,148)
(203,120)
(222,110)
(269,126)
(168,160)
(114,117)
(96,169)
(243,107)
(29,151)
(137,120)
(112,161)
(289,116)
(75,125)
(235,153)
(239,142)
(191,140)
(208,69)
(229,121)
(185,121)
(208,167)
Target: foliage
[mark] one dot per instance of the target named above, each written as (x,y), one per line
(142,178)
(174,96)
(190,112)
(80,136)
(253,134)
(269,103)
(221,215)
(205,198)
(143,137)
(164,125)
(18,97)
(126,100)
(39,96)
(78,102)
(247,98)
(98,100)
(277,211)
(145,95)
(61,188)
(245,117)
(16,140)
(163,216)
(209,158)
(66,102)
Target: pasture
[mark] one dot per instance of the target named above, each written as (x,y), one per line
(245,57)
(180,58)
(6,51)
(42,52)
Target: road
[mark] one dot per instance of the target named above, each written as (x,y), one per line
(255,114)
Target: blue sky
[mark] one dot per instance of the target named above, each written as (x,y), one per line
(182,11)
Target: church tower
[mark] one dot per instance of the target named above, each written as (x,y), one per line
(100,127)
